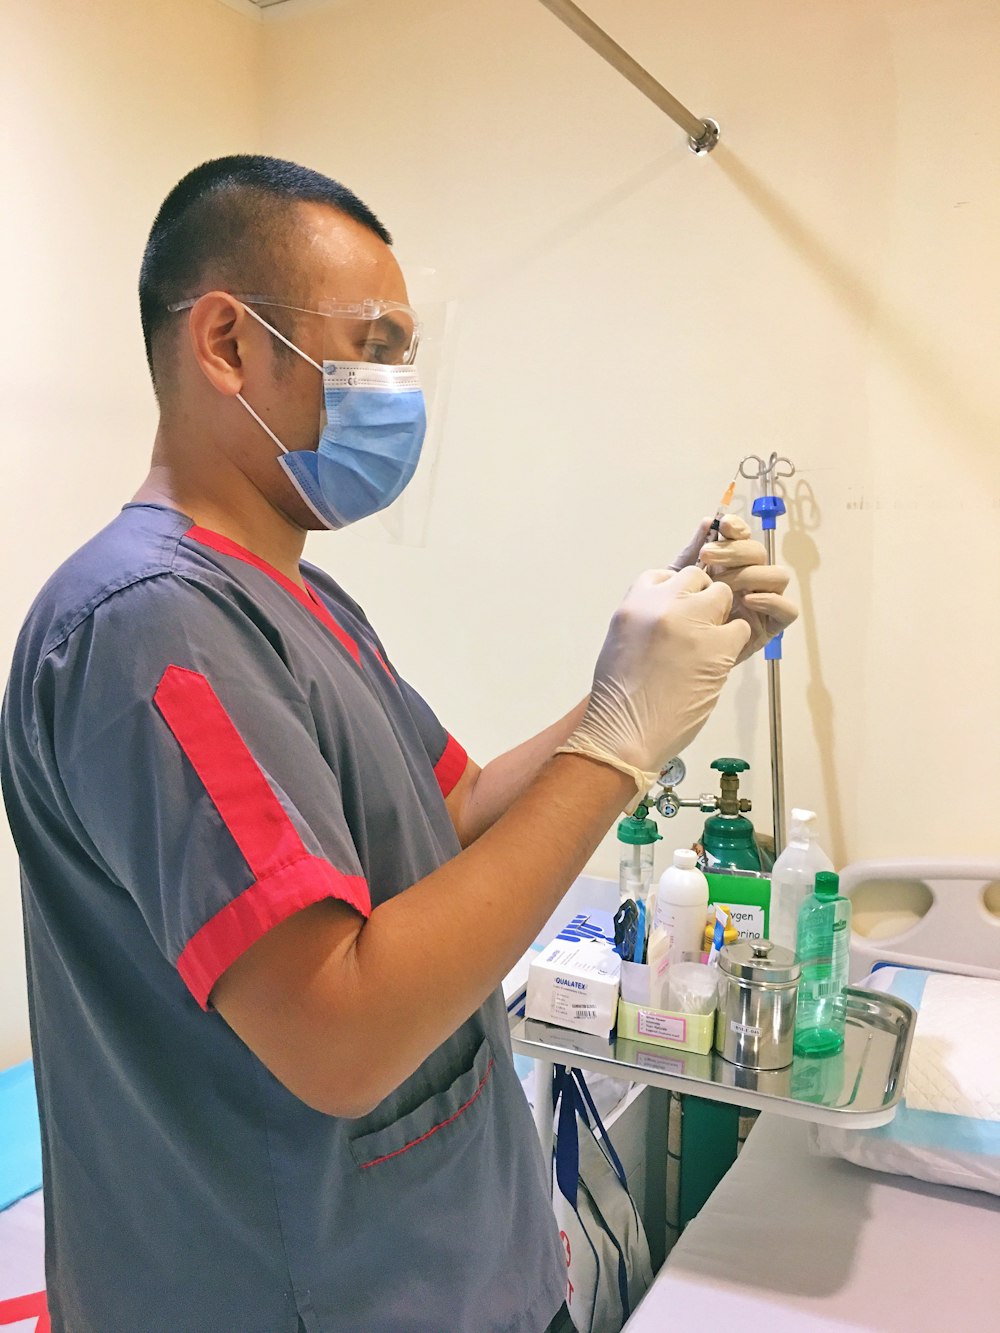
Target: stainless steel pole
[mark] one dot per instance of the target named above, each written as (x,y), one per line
(703,135)
(774,714)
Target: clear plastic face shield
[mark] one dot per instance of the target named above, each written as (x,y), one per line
(376,332)
(422,336)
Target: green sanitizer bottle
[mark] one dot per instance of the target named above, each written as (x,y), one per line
(823,945)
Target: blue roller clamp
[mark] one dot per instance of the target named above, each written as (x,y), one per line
(769,508)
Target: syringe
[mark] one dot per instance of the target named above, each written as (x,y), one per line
(716,523)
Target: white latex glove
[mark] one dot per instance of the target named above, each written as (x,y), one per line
(741,562)
(668,652)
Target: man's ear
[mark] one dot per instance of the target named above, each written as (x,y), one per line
(220,331)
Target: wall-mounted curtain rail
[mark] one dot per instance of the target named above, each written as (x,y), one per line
(703,135)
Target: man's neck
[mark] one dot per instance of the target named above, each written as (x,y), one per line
(244,516)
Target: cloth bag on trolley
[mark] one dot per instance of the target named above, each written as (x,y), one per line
(607,1254)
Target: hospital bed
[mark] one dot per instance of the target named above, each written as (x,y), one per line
(22,1263)
(793,1242)
(22,1267)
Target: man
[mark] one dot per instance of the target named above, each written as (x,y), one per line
(268,899)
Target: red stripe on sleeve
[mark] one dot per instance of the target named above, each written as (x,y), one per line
(264,904)
(217,752)
(450,767)
(287,877)
(216,542)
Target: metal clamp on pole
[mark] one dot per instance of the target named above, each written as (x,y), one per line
(703,135)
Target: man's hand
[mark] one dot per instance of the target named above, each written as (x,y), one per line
(666,657)
(757,587)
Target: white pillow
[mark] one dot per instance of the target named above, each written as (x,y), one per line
(947,1128)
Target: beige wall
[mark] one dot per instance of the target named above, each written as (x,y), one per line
(631,320)
(109,104)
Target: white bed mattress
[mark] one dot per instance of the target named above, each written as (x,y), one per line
(791,1242)
(22,1259)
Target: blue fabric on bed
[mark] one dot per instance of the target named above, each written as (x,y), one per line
(20,1141)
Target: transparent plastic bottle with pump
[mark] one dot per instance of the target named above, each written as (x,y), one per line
(793,876)
(823,947)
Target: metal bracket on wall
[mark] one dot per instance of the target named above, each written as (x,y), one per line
(703,134)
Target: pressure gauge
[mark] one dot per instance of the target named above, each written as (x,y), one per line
(668,805)
(673,774)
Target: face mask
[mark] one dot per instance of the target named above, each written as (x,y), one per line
(370,444)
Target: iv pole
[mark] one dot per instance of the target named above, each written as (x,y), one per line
(768,507)
(703,135)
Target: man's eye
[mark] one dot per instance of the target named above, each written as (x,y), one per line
(375,351)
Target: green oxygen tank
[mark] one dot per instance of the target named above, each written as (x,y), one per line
(728,839)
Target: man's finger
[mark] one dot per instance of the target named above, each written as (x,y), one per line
(753,579)
(734,528)
(691,579)
(689,555)
(779,610)
(738,634)
(732,555)
(715,598)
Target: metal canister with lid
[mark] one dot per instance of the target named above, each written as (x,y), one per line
(758,988)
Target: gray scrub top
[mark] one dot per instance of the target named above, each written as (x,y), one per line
(193,749)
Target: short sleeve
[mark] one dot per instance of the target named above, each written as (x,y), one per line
(189,759)
(447,755)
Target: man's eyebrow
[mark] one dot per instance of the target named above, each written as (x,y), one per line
(388,322)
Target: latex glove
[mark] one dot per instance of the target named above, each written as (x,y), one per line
(741,562)
(666,657)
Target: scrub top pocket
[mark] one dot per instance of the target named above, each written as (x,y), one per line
(439,1126)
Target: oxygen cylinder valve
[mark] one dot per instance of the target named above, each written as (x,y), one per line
(730,802)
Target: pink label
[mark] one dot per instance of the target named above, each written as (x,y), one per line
(652,1023)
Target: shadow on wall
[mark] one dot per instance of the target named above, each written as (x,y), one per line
(800,552)
(923,364)
(572,224)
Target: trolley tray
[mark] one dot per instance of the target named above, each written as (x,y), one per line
(859,1088)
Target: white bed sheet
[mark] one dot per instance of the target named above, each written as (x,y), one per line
(790,1242)
(22,1256)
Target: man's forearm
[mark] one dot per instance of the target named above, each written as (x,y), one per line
(498,785)
(342,1010)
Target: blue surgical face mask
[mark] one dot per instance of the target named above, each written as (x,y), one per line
(370,443)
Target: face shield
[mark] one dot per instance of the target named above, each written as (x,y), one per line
(376,332)
(381,332)
(421,336)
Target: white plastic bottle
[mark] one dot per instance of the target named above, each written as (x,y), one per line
(682,907)
(793,876)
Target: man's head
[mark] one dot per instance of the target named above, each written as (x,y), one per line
(237,224)
(247,252)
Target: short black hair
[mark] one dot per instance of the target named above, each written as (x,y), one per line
(232,221)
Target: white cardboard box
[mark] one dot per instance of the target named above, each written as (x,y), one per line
(574,984)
